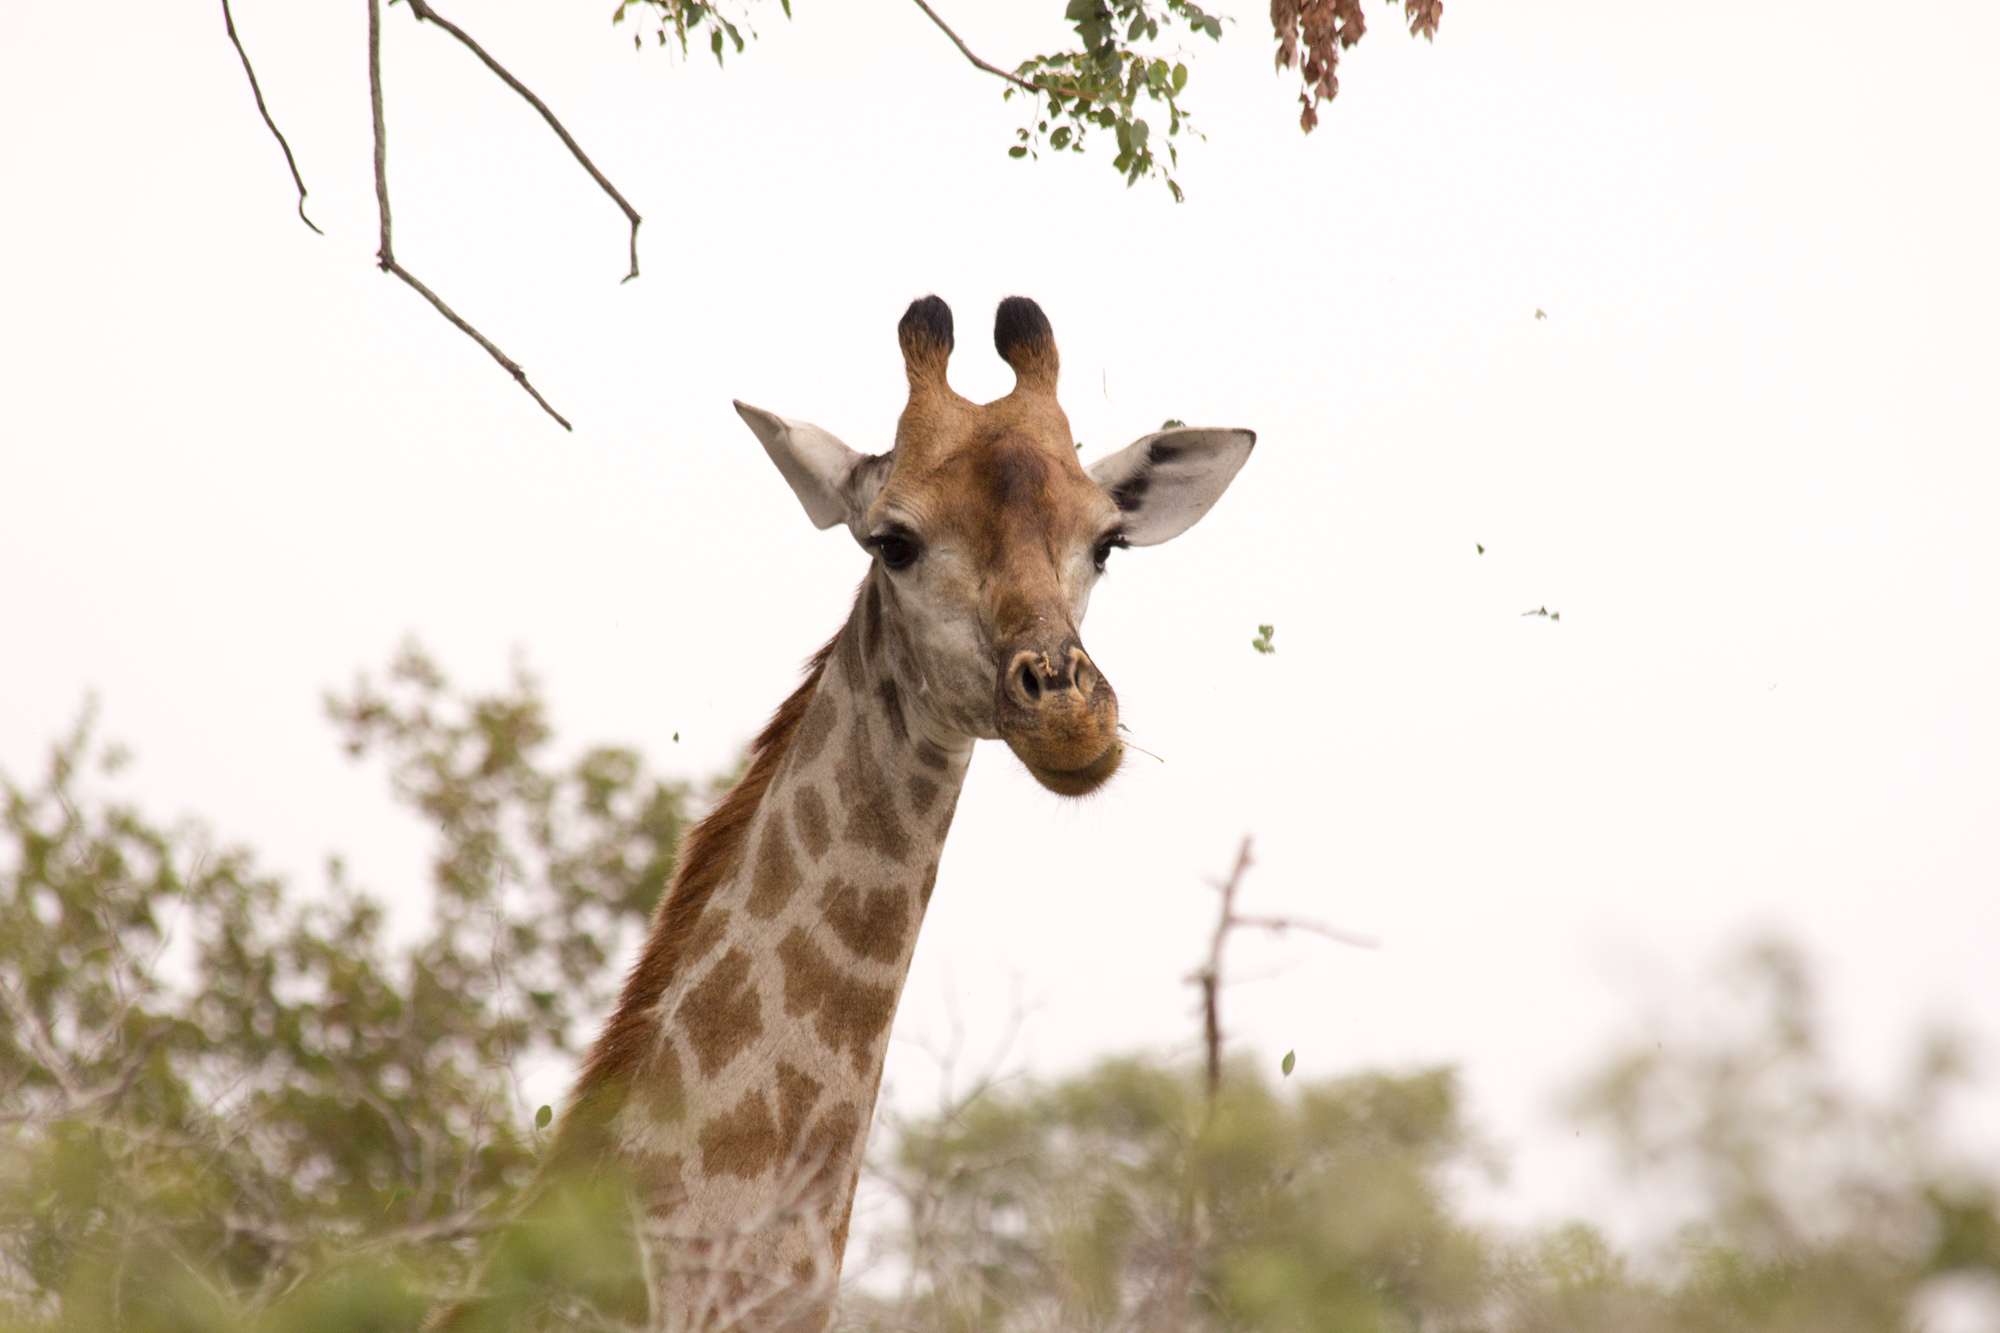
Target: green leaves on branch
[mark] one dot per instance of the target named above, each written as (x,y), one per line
(1101,86)
(677,18)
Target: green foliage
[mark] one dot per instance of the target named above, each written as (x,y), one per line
(674,20)
(1120,67)
(231,1109)
(1122,1198)
(1099,85)
(223,1102)
(1262,643)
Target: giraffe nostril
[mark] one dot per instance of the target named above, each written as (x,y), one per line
(1031,685)
(1082,671)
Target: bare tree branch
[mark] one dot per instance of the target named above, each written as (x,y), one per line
(1209,975)
(426,14)
(386,255)
(966,51)
(1280,924)
(229,22)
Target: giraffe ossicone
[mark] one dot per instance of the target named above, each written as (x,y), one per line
(731,1091)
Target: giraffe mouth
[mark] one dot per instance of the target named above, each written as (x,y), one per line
(1076,781)
(1059,715)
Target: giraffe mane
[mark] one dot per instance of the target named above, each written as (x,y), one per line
(710,855)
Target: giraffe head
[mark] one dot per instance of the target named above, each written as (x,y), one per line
(988,535)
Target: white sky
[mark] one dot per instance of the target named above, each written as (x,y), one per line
(1750,457)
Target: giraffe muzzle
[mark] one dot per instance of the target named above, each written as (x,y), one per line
(1059,715)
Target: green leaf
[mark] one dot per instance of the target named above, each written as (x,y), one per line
(546,1114)
(1284,1065)
(1018,150)
(1173,423)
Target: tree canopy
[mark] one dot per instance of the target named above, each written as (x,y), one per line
(231,1105)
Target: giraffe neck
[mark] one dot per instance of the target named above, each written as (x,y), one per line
(737,1080)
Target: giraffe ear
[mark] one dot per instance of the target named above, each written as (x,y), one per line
(1166,481)
(833,482)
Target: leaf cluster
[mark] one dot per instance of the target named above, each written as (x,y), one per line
(1119,69)
(226,1104)
(674,20)
(1312,33)
(1099,86)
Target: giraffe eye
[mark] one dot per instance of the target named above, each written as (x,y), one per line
(895,549)
(1105,546)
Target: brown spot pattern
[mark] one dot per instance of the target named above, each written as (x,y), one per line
(930,882)
(930,756)
(872,820)
(775,877)
(892,709)
(848,1014)
(809,813)
(660,1090)
(711,853)
(722,1014)
(922,792)
(832,1145)
(658,1182)
(873,923)
(798,1093)
(945,812)
(707,933)
(813,731)
(743,1142)
(871,621)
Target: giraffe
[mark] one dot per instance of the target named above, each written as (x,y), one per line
(734,1084)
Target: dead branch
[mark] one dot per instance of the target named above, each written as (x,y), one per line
(385,256)
(426,14)
(1209,975)
(1278,925)
(229,23)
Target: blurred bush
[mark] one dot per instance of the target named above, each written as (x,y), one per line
(228,1107)
(223,1102)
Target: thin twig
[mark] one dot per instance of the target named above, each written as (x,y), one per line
(1209,976)
(426,14)
(229,22)
(386,255)
(995,70)
(966,51)
(1280,924)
